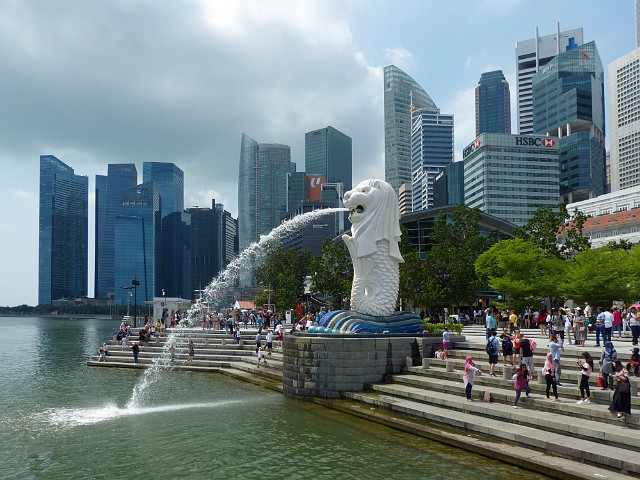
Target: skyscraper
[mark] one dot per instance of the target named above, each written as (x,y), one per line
(169,180)
(400,92)
(431,152)
(568,102)
(63,232)
(493,104)
(510,176)
(109,195)
(327,152)
(531,56)
(175,262)
(624,120)
(227,237)
(262,190)
(137,240)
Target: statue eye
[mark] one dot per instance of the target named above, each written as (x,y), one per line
(366,189)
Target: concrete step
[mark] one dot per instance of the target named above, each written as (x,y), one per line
(594,411)
(552,419)
(567,446)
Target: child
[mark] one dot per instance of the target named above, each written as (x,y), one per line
(124,342)
(522,383)
(439,354)
(261,358)
(468,376)
(446,338)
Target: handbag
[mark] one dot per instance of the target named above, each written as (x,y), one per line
(623,387)
(600,382)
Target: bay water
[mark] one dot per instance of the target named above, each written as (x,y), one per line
(60,419)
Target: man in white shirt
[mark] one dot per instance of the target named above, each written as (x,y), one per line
(608,324)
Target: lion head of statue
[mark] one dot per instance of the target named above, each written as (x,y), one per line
(374,216)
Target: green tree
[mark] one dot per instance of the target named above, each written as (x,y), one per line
(600,276)
(411,274)
(332,273)
(284,272)
(521,271)
(543,228)
(450,267)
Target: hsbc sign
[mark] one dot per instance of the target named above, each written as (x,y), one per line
(471,148)
(535,141)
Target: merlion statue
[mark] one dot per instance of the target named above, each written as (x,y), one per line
(373,245)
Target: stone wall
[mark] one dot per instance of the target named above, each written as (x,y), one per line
(326,366)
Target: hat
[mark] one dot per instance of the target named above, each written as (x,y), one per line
(578,309)
(586,303)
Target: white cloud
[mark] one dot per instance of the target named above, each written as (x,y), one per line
(400,57)
(462,105)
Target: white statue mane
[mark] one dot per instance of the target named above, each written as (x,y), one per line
(373,245)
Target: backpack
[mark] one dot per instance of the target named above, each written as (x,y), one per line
(508,343)
(489,347)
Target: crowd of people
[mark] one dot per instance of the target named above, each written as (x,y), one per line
(562,325)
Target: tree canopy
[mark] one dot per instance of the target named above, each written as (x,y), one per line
(332,273)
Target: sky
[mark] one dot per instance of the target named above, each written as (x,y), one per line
(129,81)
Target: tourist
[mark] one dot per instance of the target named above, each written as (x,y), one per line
(541,321)
(446,338)
(237,335)
(142,335)
(492,351)
(617,322)
(101,354)
(136,350)
(439,355)
(507,348)
(468,376)
(549,372)
(526,354)
(269,342)
(558,322)
(588,313)
(580,327)
(634,324)
(607,357)
(190,351)
(586,367)
(280,333)
(608,324)
(258,340)
(528,313)
(514,323)
(261,358)
(124,342)
(635,361)
(599,326)
(163,328)
(516,348)
(621,403)
(521,383)
(568,327)
(489,322)
(554,349)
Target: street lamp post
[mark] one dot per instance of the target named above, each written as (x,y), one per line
(165,303)
(135,284)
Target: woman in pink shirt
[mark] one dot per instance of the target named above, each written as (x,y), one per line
(587,367)
(468,376)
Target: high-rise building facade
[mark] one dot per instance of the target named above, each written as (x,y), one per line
(169,180)
(493,104)
(448,186)
(63,232)
(227,237)
(175,262)
(431,151)
(624,120)
(137,240)
(108,199)
(400,92)
(262,191)
(328,152)
(510,176)
(568,102)
(531,56)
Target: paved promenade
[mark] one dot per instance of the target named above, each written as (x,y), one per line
(560,439)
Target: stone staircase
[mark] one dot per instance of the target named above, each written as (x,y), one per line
(588,434)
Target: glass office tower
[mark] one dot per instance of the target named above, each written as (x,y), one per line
(169,180)
(400,92)
(568,102)
(493,104)
(109,195)
(431,152)
(137,237)
(63,232)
